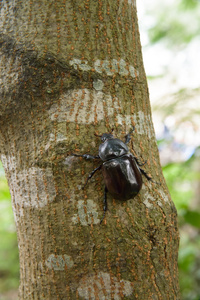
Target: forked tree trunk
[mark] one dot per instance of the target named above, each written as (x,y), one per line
(70,68)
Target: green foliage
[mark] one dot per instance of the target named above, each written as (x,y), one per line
(188,4)
(189,266)
(177,24)
(9,259)
(192,218)
(180,179)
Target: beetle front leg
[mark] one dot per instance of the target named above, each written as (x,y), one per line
(86,156)
(128,136)
(105,206)
(91,174)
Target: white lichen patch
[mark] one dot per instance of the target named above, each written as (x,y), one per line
(132,2)
(81,64)
(98,84)
(129,2)
(148,199)
(103,287)
(7,7)
(69,161)
(87,213)
(55,138)
(164,196)
(37,185)
(10,70)
(142,122)
(33,187)
(4,161)
(114,66)
(59,137)
(59,262)
(110,67)
(84,106)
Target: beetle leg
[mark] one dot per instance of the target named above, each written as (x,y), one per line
(141,164)
(105,206)
(138,162)
(127,138)
(145,174)
(86,156)
(91,174)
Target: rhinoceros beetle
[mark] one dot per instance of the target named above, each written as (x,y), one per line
(121,170)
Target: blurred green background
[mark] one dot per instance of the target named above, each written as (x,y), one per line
(170,35)
(9,261)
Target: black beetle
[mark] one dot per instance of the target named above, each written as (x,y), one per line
(121,170)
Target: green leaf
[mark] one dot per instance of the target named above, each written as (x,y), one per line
(193,218)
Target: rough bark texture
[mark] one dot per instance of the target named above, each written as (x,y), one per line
(68,69)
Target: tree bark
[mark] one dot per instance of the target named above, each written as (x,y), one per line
(70,69)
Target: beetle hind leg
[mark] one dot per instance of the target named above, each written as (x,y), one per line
(105,206)
(139,163)
(147,176)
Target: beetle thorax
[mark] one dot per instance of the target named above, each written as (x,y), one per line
(112,148)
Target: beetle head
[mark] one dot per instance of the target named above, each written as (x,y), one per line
(104,137)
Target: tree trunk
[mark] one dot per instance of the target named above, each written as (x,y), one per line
(70,69)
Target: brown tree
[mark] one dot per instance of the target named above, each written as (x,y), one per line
(69,69)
